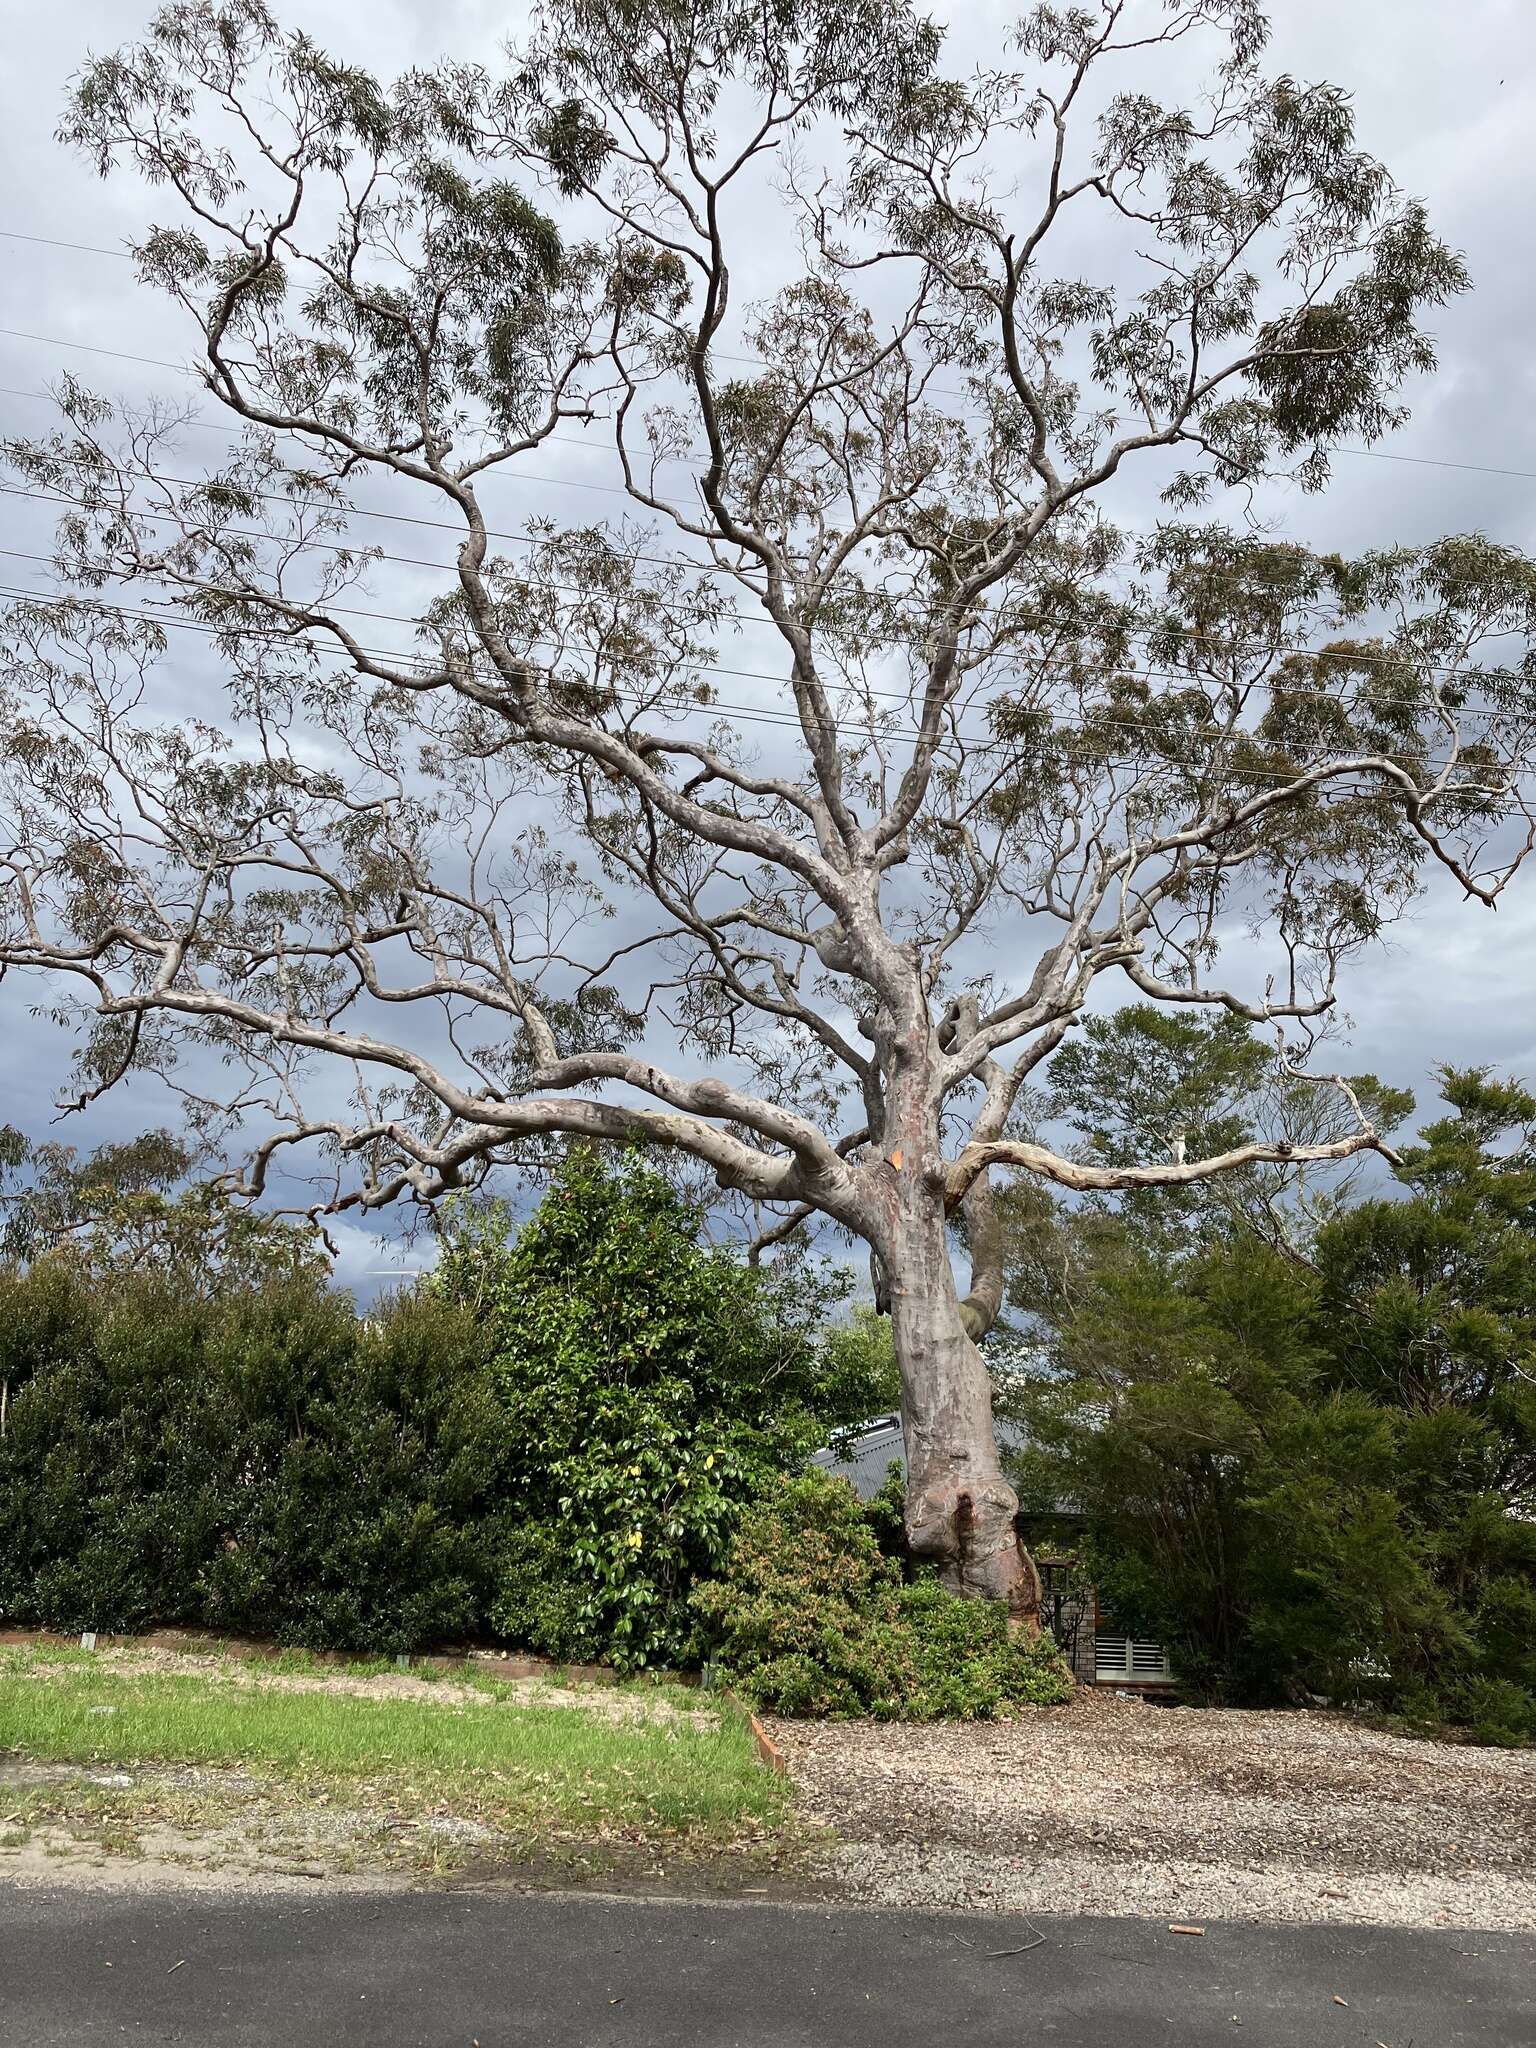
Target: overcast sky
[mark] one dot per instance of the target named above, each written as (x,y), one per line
(1446,94)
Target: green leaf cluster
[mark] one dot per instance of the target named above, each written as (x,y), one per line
(809,1617)
(651,1385)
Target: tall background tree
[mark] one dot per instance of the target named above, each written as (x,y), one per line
(356,896)
(1306,1457)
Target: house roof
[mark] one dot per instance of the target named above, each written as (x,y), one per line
(865,1461)
(878,1446)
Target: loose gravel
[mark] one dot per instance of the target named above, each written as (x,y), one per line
(1116,1806)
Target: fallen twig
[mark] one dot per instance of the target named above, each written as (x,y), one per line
(988,1954)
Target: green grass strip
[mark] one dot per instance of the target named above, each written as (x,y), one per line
(521,1763)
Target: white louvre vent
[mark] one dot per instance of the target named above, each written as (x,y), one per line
(1123,1660)
(1111,1656)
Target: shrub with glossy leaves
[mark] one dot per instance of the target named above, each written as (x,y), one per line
(651,1385)
(262,1460)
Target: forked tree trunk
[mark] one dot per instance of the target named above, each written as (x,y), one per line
(959,1508)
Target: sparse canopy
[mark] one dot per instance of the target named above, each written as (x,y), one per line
(324,825)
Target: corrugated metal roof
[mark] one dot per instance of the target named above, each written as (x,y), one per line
(867,1460)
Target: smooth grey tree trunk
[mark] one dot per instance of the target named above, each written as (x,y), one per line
(959,1508)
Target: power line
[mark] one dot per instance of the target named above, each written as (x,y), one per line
(1438,462)
(54,242)
(756,362)
(446,526)
(213,426)
(91,348)
(620,491)
(153,612)
(531,476)
(1039,619)
(715,668)
(754,714)
(437,525)
(183,370)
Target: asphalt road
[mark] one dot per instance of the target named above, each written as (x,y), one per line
(447,1970)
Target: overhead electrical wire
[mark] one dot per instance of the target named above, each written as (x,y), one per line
(512,534)
(533,540)
(757,362)
(274,600)
(1268,648)
(754,714)
(216,427)
(788,721)
(521,476)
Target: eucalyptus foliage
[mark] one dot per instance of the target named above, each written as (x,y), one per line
(143,1205)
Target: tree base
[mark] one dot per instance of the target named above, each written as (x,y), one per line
(970,1536)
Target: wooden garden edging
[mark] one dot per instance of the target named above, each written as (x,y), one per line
(768,1750)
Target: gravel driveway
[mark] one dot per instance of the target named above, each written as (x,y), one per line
(1112,1806)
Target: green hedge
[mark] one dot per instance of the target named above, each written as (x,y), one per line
(552,1443)
(266,1461)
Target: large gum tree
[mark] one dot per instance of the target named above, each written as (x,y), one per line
(787,812)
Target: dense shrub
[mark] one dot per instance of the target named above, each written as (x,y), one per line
(809,1618)
(1317,1477)
(108,1464)
(972,1665)
(804,1614)
(263,1460)
(553,1442)
(652,1384)
(376,1522)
